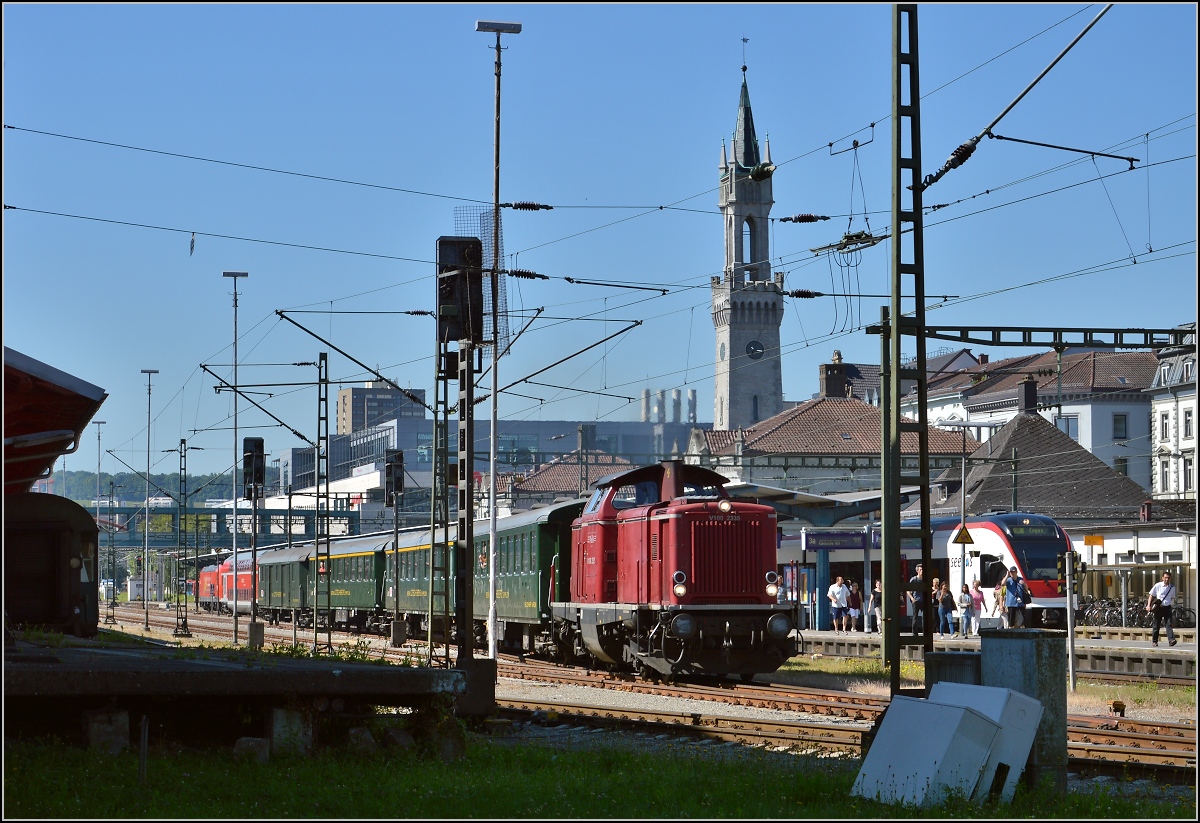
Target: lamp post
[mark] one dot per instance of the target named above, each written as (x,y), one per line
(110,614)
(99,423)
(498,29)
(146,523)
(234,275)
(962,426)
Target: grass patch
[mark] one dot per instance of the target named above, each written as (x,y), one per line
(50,780)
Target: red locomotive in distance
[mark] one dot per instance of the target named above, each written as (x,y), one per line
(216,585)
(669,576)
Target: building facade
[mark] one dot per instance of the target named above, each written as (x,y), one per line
(361,407)
(1173,422)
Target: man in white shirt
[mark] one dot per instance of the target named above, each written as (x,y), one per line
(1164,594)
(839,602)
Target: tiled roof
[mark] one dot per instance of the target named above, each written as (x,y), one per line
(563,473)
(1091,373)
(1055,476)
(828,425)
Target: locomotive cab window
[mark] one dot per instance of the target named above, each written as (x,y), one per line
(594,503)
(638,494)
(710,492)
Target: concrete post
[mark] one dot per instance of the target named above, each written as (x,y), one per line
(1033,662)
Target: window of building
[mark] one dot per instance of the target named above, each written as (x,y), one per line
(1164,476)
(1188,485)
(1187,371)
(1120,427)
(1164,426)
(1164,374)
(1121,464)
(1187,422)
(1069,425)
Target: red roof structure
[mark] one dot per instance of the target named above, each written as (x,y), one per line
(45,414)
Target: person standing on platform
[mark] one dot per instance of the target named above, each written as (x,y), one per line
(998,603)
(1014,599)
(839,597)
(977,604)
(917,598)
(945,601)
(966,610)
(1160,602)
(854,603)
(875,606)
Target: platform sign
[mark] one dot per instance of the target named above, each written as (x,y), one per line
(1093,540)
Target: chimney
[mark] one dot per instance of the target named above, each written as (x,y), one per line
(833,379)
(691,406)
(676,398)
(1027,396)
(983,359)
(1144,512)
(645,405)
(661,406)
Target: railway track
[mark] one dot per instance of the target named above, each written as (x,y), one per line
(1095,744)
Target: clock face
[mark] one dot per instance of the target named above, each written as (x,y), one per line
(754,349)
(722,351)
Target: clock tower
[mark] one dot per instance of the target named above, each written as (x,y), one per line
(747,300)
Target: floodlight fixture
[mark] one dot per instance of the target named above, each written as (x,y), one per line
(498,28)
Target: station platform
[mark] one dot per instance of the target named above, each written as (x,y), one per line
(204,693)
(1122,652)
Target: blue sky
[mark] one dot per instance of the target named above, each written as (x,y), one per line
(608,113)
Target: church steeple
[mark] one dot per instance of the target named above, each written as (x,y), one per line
(745,141)
(747,301)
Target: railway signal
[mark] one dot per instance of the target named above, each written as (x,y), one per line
(393,475)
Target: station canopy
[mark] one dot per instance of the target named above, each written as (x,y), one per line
(45,414)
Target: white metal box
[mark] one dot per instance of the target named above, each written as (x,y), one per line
(924,751)
(1018,716)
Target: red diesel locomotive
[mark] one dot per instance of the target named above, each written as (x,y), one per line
(669,576)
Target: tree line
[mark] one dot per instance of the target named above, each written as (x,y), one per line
(130,487)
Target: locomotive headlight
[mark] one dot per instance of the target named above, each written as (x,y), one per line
(725,506)
(683,626)
(772,583)
(779,626)
(679,578)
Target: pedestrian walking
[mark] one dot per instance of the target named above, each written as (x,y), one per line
(1160,602)
(839,596)
(916,597)
(966,610)
(977,603)
(875,606)
(946,607)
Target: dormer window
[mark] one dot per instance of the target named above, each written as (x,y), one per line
(1187,371)
(1164,374)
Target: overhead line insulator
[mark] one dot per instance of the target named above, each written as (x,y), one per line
(803,218)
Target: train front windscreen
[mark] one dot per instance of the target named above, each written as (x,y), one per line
(1037,547)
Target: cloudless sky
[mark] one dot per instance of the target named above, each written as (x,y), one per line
(613,114)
